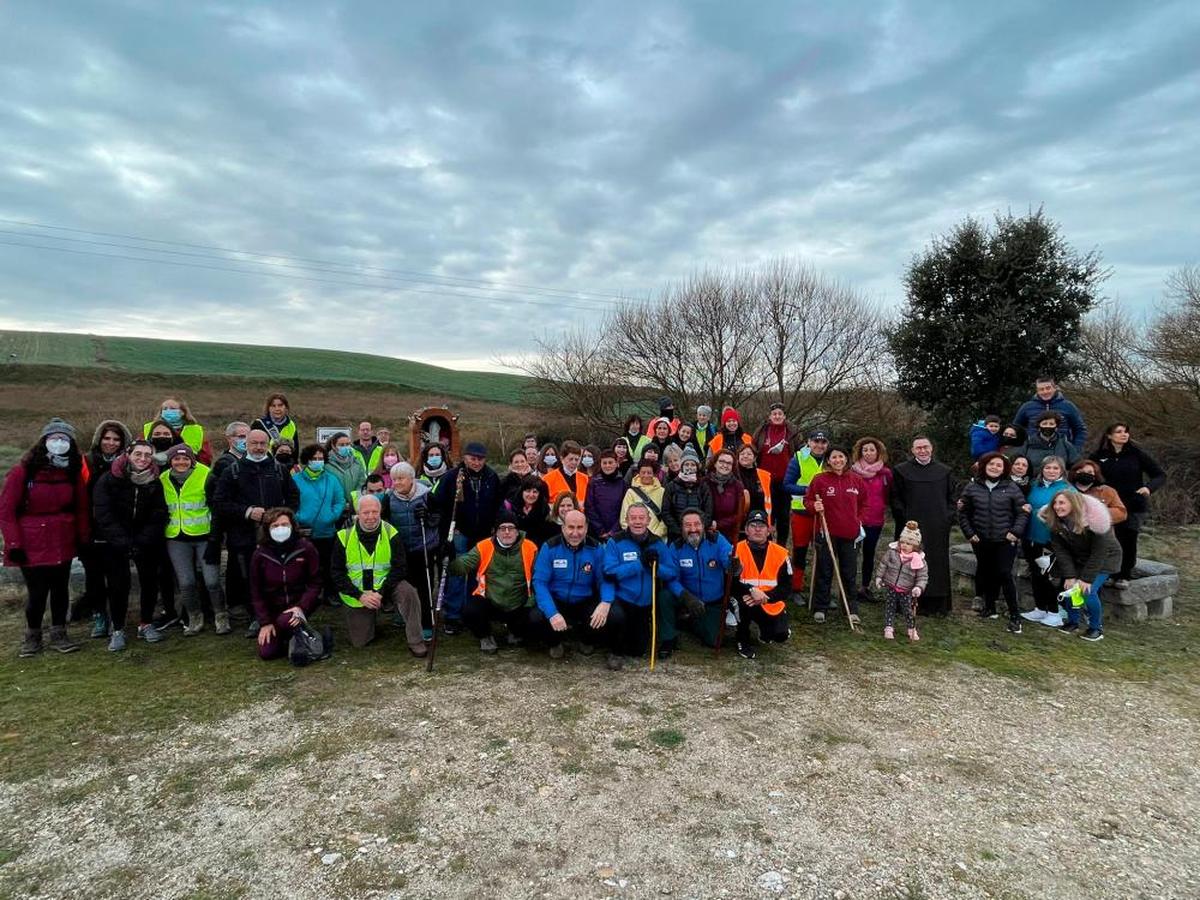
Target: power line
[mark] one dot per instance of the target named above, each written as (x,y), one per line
(547,303)
(421,277)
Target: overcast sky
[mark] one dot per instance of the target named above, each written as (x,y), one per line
(603,148)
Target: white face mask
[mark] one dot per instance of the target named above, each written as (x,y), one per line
(280,533)
(58,446)
(587,462)
(550,459)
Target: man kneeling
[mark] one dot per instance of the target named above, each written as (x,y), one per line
(367,566)
(571,594)
(763,586)
(503,567)
(695,574)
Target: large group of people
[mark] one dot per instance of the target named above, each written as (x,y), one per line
(678,526)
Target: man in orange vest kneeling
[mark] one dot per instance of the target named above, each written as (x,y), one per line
(764,570)
(503,565)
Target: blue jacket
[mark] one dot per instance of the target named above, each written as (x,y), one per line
(1040,494)
(982,440)
(404,513)
(1072,426)
(700,571)
(563,575)
(624,570)
(322,500)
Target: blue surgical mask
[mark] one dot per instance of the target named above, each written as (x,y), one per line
(316,465)
(256,457)
(433,462)
(172,416)
(240,445)
(549,459)
(344,450)
(586,462)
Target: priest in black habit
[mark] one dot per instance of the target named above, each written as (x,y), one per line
(923,489)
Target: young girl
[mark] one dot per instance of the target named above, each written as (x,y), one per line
(902,574)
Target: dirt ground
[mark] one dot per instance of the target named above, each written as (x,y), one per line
(792,776)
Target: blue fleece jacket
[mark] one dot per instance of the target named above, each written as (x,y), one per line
(700,570)
(624,570)
(1041,493)
(565,575)
(322,500)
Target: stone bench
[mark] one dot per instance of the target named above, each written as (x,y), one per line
(1150,595)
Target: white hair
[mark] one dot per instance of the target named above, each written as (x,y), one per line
(402,469)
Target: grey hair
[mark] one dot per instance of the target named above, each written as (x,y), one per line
(402,468)
(232,428)
(704,408)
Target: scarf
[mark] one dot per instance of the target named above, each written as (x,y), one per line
(145,476)
(721,481)
(914,559)
(867,470)
(435,473)
(59,462)
(687,477)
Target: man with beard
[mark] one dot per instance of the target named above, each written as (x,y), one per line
(694,573)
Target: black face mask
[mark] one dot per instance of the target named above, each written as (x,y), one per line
(162,444)
(284,459)
(1048,433)
(1084,481)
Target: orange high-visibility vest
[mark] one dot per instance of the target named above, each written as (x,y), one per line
(775,559)
(556,483)
(487,549)
(717,442)
(764,479)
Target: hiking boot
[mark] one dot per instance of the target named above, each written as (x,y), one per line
(819,618)
(238,614)
(165,620)
(194,626)
(99,626)
(615,662)
(797,598)
(116,643)
(889,633)
(746,650)
(512,640)
(451,628)
(488,644)
(221,623)
(1093,634)
(252,630)
(31,644)
(666,648)
(1034,615)
(150,634)
(586,649)
(427,634)
(420,651)
(913,635)
(1069,627)
(558,651)
(1014,626)
(977,603)
(60,642)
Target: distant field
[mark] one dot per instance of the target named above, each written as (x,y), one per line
(157,357)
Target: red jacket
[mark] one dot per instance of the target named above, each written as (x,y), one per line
(45,515)
(283,577)
(845,500)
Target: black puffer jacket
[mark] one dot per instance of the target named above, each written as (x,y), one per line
(246,484)
(678,497)
(129,516)
(992,513)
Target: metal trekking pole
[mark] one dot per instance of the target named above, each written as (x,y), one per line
(441,594)
(837,572)
(428,577)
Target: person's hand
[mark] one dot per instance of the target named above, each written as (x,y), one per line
(1143,490)
(958,504)
(1026,509)
(1069,583)
(691,603)
(558,623)
(649,556)
(371,599)
(599,615)
(748,599)
(817,506)
(974,539)
(917,592)
(879,584)
(420,512)
(265,633)
(1011,538)
(1084,587)
(297,615)
(757,597)
(256,513)
(862,536)
(18,556)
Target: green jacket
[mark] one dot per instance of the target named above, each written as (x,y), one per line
(506,584)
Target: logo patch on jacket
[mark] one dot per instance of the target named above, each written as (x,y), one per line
(712,563)
(587,567)
(686,563)
(630,556)
(560,564)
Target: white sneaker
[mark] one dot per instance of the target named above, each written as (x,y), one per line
(1053,620)
(1034,615)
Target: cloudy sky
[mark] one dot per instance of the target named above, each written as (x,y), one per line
(445,181)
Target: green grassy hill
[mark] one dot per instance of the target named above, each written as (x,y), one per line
(158,357)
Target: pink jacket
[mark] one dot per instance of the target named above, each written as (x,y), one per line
(879,491)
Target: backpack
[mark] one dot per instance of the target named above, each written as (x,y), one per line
(306,646)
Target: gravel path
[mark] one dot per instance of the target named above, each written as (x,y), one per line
(795,779)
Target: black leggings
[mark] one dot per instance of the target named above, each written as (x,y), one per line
(44,582)
(994,575)
(1128,539)
(149,565)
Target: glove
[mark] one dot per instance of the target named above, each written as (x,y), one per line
(692,603)
(649,556)
(212,553)
(421,513)
(18,556)
(735,567)
(449,551)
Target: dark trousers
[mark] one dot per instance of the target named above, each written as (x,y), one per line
(705,627)
(847,558)
(324,562)
(166,584)
(773,629)
(277,646)
(1128,539)
(781,512)
(479,614)
(632,629)
(578,616)
(237,580)
(1045,588)
(994,575)
(95,583)
(44,583)
(148,563)
(869,545)
(415,561)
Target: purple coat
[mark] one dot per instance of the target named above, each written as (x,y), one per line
(45,514)
(603,509)
(284,576)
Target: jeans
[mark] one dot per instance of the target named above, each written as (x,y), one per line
(1091,602)
(457,586)
(185,556)
(994,575)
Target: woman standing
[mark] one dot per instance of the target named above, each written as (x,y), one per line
(1036,545)
(1086,478)
(731,436)
(389,458)
(756,481)
(1134,474)
(531,508)
(647,490)
(322,502)
(344,464)
(277,420)
(777,441)
(837,497)
(179,419)
(518,468)
(547,459)
(108,442)
(188,490)
(870,463)
(285,585)
(632,438)
(1086,552)
(730,498)
(44,520)
(606,490)
(993,516)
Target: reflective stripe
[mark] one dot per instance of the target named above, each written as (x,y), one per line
(359,561)
(809,468)
(775,559)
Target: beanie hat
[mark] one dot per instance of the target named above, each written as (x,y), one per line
(689,453)
(911,533)
(730,413)
(665,403)
(180,450)
(505,517)
(59,426)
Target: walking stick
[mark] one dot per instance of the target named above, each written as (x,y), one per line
(428,578)
(837,571)
(437,609)
(724,607)
(653,613)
